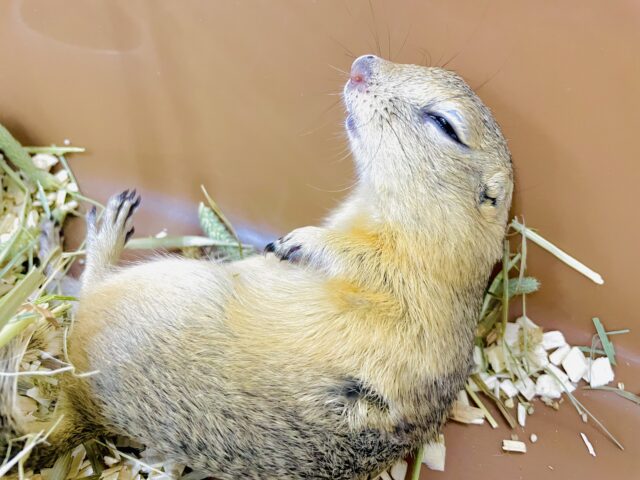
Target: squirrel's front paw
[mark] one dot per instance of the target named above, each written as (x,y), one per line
(298,246)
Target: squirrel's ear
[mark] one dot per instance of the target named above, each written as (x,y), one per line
(494,193)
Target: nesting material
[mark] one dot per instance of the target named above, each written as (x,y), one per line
(463,398)
(526,387)
(586,441)
(478,359)
(511,333)
(495,355)
(434,454)
(561,377)
(384,476)
(399,470)
(553,339)
(559,355)
(548,387)
(526,323)
(464,413)
(514,446)
(44,161)
(601,372)
(489,380)
(522,415)
(575,364)
(538,357)
(508,388)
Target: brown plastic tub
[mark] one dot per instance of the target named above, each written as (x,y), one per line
(167,95)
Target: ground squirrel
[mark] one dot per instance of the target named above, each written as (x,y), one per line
(336,362)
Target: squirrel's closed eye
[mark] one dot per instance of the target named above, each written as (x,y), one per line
(444,125)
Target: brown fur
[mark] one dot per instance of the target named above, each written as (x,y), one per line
(333,365)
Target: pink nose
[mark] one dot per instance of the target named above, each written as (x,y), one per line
(361,69)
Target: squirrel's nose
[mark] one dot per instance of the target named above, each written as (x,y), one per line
(361,69)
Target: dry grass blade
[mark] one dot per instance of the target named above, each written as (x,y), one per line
(150,243)
(632,397)
(11,302)
(61,468)
(505,285)
(32,442)
(53,150)
(501,407)
(466,414)
(551,248)
(417,464)
(580,408)
(21,159)
(604,339)
(134,459)
(214,206)
(487,414)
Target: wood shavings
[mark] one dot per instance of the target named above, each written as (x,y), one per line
(522,415)
(465,413)
(399,470)
(384,476)
(575,364)
(526,387)
(548,387)
(495,356)
(514,446)
(586,441)
(44,161)
(553,339)
(559,355)
(511,333)
(508,388)
(601,372)
(434,454)
(538,357)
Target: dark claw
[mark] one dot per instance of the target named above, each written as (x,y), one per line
(270,247)
(133,207)
(290,252)
(91,216)
(129,234)
(121,198)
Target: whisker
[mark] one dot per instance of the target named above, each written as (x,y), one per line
(338,69)
(375,31)
(375,155)
(397,138)
(495,74)
(404,41)
(347,52)
(347,188)
(344,157)
(471,35)
(319,116)
(426,54)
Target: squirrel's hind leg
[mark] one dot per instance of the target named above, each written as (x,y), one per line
(107,236)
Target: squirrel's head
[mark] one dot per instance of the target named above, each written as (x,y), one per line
(424,141)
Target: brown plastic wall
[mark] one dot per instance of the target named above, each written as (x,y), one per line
(241,96)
